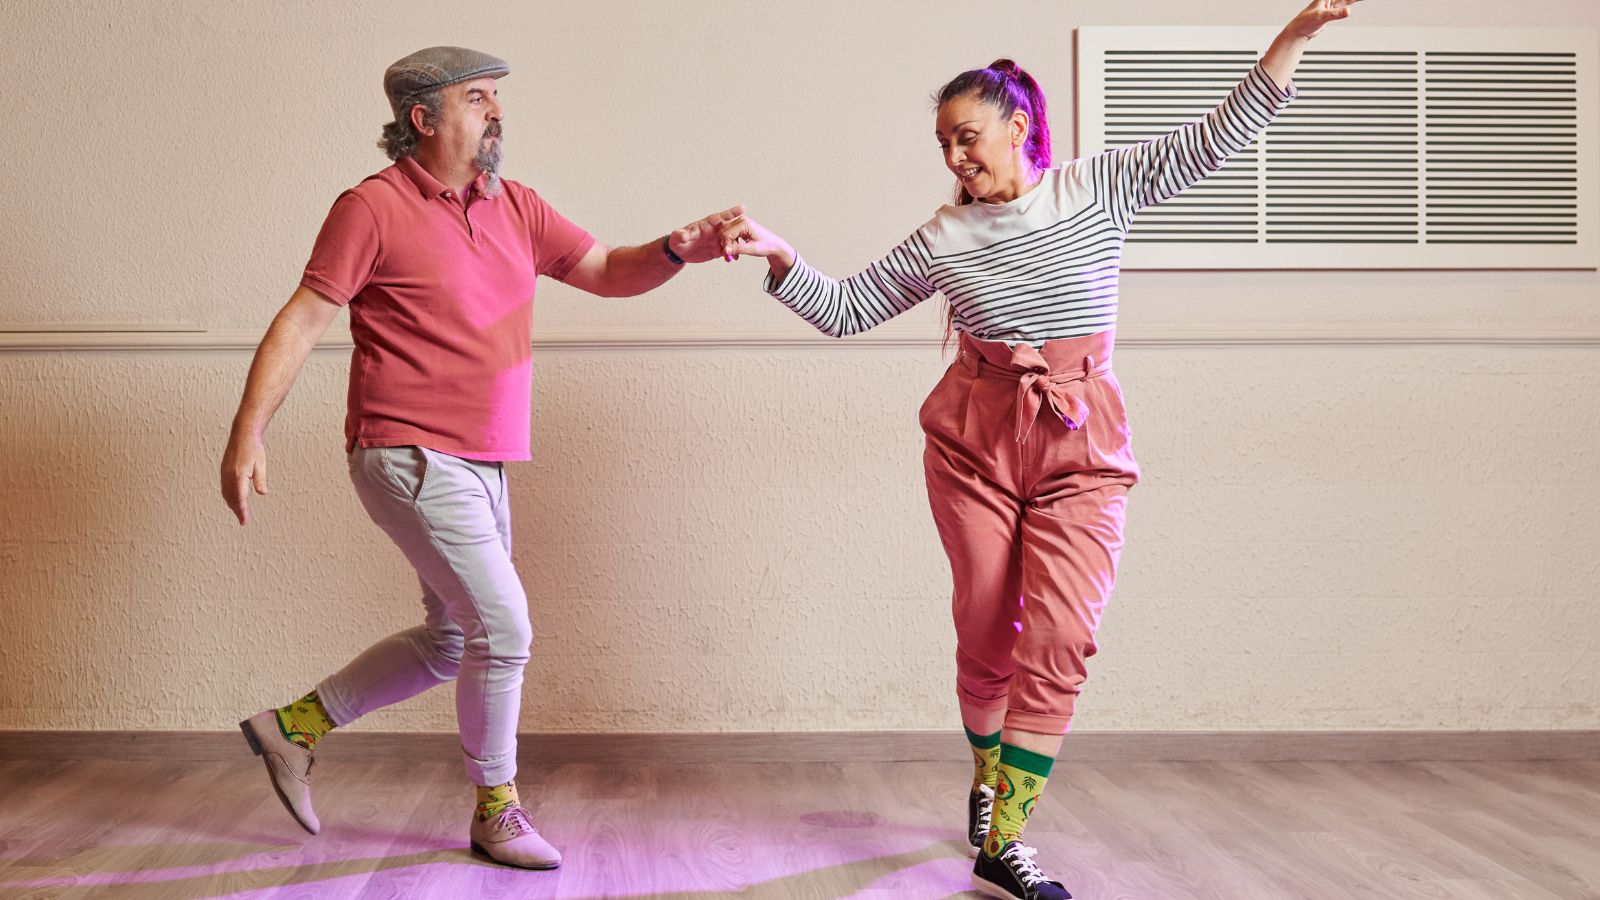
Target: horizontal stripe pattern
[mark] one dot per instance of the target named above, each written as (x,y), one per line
(1047,265)
(886,289)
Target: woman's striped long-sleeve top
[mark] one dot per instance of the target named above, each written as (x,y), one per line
(1045,265)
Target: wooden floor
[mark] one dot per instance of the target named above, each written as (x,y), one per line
(1462,831)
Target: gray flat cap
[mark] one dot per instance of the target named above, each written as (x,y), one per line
(433,68)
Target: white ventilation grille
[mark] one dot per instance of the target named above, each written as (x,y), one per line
(1443,148)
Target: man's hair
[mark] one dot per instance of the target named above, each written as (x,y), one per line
(400,137)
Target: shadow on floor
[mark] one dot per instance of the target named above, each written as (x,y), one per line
(144,871)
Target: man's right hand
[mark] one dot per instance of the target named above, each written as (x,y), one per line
(282,352)
(244,467)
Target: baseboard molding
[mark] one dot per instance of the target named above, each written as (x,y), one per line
(863,746)
(1196,334)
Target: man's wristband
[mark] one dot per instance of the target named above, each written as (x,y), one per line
(667,249)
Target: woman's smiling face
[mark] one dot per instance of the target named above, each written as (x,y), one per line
(982,149)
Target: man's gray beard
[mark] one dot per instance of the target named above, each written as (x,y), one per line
(488,162)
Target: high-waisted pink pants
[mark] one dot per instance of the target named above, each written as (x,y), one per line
(1029,463)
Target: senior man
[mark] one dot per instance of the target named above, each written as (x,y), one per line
(436,257)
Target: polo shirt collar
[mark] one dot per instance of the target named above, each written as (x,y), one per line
(430,187)
(479,185)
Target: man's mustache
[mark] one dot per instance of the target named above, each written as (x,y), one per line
(493,131)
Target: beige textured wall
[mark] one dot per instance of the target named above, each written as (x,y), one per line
(733,534)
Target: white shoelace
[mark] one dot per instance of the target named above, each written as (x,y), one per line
(1021,860)
(985,810)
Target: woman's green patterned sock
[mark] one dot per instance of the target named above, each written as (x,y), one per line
(1017,788)
(985,758)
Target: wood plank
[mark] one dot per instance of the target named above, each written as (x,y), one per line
(778,830)
(908,746)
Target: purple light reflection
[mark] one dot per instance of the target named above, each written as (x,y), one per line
(895,855)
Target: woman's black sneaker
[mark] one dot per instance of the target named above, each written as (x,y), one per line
(1013,874)
(980,809)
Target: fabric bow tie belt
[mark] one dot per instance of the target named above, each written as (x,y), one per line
(1037,385)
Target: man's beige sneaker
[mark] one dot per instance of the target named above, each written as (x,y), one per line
(288,765)
(510,838)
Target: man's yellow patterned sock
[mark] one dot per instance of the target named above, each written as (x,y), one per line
(985,758)
(1017,788)
(305,721)
(492,801)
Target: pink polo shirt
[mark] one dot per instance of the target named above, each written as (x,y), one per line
(441,308)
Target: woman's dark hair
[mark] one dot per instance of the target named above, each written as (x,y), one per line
(1007,87)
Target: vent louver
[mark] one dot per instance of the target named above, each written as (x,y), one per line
(1451,148)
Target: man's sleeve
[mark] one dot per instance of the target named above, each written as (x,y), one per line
(346,252)
(558,244)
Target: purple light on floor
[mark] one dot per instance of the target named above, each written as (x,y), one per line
(897,851)
(256,864)
(1018,626)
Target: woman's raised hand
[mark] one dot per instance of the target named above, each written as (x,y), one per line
(1319,13)
(1283,57)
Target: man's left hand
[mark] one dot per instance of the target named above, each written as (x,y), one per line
(700,241)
